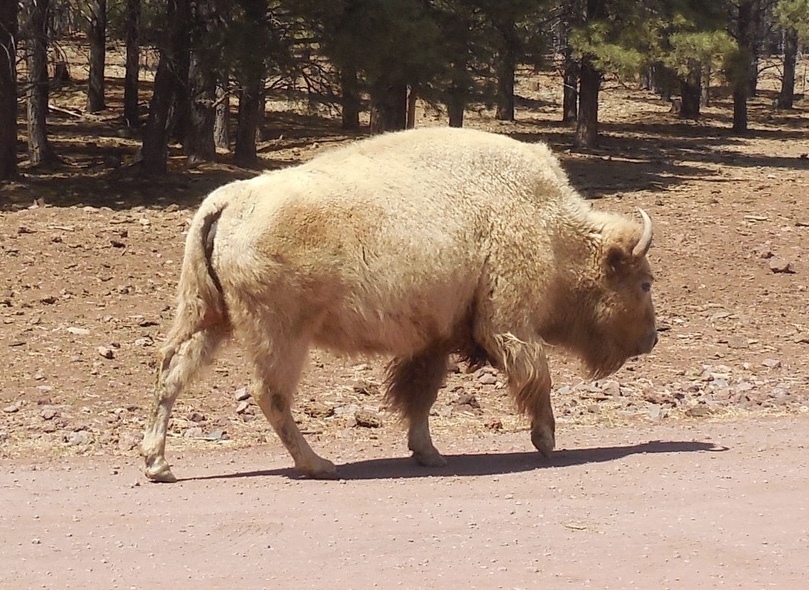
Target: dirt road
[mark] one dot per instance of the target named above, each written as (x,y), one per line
(701,505)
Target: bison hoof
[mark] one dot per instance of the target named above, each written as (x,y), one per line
(544,442)
(433,459)
(160,472)
(324,469)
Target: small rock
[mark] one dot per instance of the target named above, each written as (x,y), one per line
(144,342)
(655,412)
(216,435)
(318,410)
(242,394)
(771,363)
(347,410)
(367,419)
(737,342)
(366,387)
(106,352)
(744,386)
(48,413)
(193,432)
(78,331)
(3,436)
(468,399)
(242,407)
(129,440)
(659,399)
(698,411)
(763,251)
(79,438)
(487,379)
(195,416)
(12,409)
(611,388)
(801,339)
(780,265)
(494,424)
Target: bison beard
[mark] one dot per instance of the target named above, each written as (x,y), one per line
(416,245)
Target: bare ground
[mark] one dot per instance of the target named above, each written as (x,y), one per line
(709,504)
(90,255)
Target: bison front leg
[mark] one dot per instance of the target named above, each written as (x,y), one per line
(413,384)
(526,368)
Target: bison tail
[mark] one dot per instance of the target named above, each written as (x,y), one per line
(200,302)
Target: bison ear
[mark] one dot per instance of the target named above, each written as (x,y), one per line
(617,257)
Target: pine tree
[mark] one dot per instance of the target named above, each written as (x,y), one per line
(132,36)
(40,152)
(793,17)
(97,38)
(8,90)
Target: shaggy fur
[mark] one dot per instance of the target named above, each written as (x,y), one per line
(414,245)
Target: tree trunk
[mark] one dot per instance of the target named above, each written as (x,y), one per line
(8,90)
(389,108)
(250,103)
(350,99)
(570,92)
(663,79)
(156,134)
(132,33)
(787,94)
(691,93)
(180,117)
(506,71)
(756,40)
(705,99)
(221,128)
(199,144)
(587,121)
(741,85)
(412,98)
(97,39)
(40,152)
(570,76)
(456,105)
(589,87)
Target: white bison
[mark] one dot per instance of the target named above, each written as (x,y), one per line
(416,245)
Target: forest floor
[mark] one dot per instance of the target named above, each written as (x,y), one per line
(90,256)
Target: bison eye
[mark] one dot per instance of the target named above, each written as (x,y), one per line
(646,286)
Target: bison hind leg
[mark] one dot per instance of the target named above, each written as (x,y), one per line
(181,359)
(412,388)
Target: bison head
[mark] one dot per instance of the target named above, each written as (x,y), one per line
(623,320)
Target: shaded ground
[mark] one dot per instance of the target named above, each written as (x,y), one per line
(90,256)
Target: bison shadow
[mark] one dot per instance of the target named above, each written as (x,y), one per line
(481,464)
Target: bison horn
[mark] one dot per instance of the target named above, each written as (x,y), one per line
(642,247)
